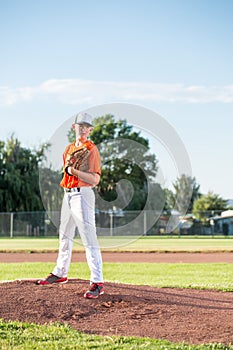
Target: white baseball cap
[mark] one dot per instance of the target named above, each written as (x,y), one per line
(84,118)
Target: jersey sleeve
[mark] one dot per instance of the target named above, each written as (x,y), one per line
(94,161)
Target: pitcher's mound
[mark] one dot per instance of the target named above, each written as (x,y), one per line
(192,316)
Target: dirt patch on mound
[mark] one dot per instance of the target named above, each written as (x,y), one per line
(174,314)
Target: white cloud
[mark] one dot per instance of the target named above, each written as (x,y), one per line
(76,91)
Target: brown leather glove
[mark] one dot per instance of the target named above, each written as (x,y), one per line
(78,160)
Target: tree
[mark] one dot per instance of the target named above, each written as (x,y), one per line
(19,183)
(207,205)
(126,162)
(51,192)
(169,200)
(186,192)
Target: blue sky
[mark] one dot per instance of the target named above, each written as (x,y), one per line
(173,57)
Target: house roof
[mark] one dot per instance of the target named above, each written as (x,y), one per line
(224,215)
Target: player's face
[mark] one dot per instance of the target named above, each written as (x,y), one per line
(82,130)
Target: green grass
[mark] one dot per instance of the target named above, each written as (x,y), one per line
(145,243)
(217,276)
(24,336)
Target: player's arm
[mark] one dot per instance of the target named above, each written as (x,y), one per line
(91,178)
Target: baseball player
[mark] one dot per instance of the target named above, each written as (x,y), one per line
(81,173)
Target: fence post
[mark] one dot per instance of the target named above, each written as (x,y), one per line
(111,222)
(145,223)
(11,224)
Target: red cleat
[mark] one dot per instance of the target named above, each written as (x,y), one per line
(52,279)
(95,290)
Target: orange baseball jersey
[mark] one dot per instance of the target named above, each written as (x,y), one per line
(93,162)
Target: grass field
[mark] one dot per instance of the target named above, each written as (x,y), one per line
(198,276)
(145,243)
(22,336)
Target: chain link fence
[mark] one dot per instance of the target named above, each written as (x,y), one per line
(39,224)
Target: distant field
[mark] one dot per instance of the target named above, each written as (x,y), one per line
(143,244)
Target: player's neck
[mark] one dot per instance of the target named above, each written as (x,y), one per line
(80,141)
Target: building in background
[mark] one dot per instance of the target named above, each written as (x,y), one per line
(223,223)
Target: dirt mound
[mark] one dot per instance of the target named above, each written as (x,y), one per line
(177,315)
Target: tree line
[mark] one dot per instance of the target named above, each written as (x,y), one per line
(126,155)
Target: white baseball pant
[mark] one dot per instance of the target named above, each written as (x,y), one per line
(78,210)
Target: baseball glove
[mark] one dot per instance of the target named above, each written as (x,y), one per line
(77,160)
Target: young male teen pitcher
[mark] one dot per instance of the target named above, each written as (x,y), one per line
(82,172)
